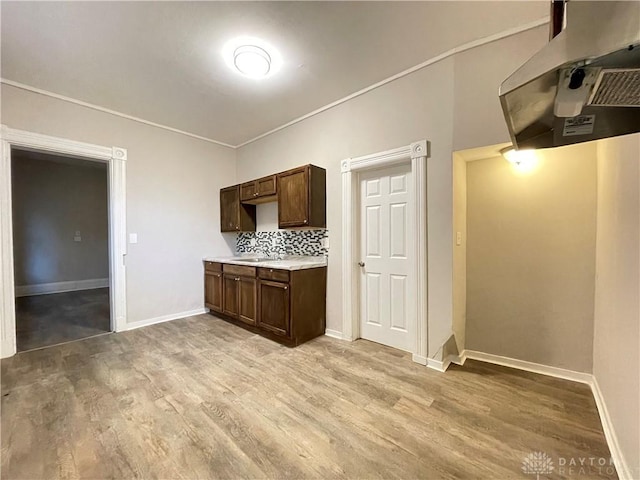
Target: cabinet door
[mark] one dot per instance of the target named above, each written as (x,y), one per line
(274,307)
(213,291)
(235,216)
(293,198)
(229,209)
(248,191)
(266,186)
(231,295)
(248,300)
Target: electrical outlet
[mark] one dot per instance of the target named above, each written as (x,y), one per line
(253,242)
(77,237)
(325,242)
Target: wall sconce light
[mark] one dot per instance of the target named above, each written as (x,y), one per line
(518,157)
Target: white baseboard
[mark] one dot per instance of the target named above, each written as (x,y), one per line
(622,467)
(459,359)
(60,287)
(438,365)
(165,318)
(441,366)
(7,349)
(419,359)
(333,334)
(529,366)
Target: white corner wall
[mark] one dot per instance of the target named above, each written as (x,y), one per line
(459,251)
(420,105)
(173,184)
(616,346)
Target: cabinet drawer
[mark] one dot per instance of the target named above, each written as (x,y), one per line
(239,270)
(213,266)
(273,274)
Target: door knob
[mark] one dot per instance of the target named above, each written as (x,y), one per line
(361,264)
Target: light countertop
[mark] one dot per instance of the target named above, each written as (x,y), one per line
(287,263)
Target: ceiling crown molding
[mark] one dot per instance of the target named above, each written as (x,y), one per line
(462,48)
(92,106)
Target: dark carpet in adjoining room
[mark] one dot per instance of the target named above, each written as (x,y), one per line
(43,320)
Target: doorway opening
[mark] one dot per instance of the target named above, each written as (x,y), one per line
(14,141)
(60,248)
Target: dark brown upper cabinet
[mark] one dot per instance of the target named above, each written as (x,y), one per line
(259,191)
(234,215)
(302,197)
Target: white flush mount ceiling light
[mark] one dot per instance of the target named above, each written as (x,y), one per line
(252,57)
(252,61)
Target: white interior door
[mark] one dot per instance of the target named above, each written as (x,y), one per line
(387,283)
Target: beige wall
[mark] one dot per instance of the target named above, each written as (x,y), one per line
(420,105)
(394,115)
(51,201)
(531,258)
(459,251)
(173,184)
(616,353)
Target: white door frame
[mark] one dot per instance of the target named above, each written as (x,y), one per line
(115,158)
(417,153)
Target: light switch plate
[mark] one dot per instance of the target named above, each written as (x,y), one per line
(325,242)
(133,238)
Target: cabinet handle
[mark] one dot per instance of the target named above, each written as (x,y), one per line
(286,288)
(237,279)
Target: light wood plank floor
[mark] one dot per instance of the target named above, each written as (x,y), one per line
(199,398)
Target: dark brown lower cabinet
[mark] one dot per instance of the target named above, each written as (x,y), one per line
(274,306)
(286,306)
(231,295)
(248,300)
(213,291)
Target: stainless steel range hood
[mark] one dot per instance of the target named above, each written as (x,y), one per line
(584,84)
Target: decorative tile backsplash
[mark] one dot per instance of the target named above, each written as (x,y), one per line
(283,242)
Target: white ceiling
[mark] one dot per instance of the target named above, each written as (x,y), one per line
(161,61)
